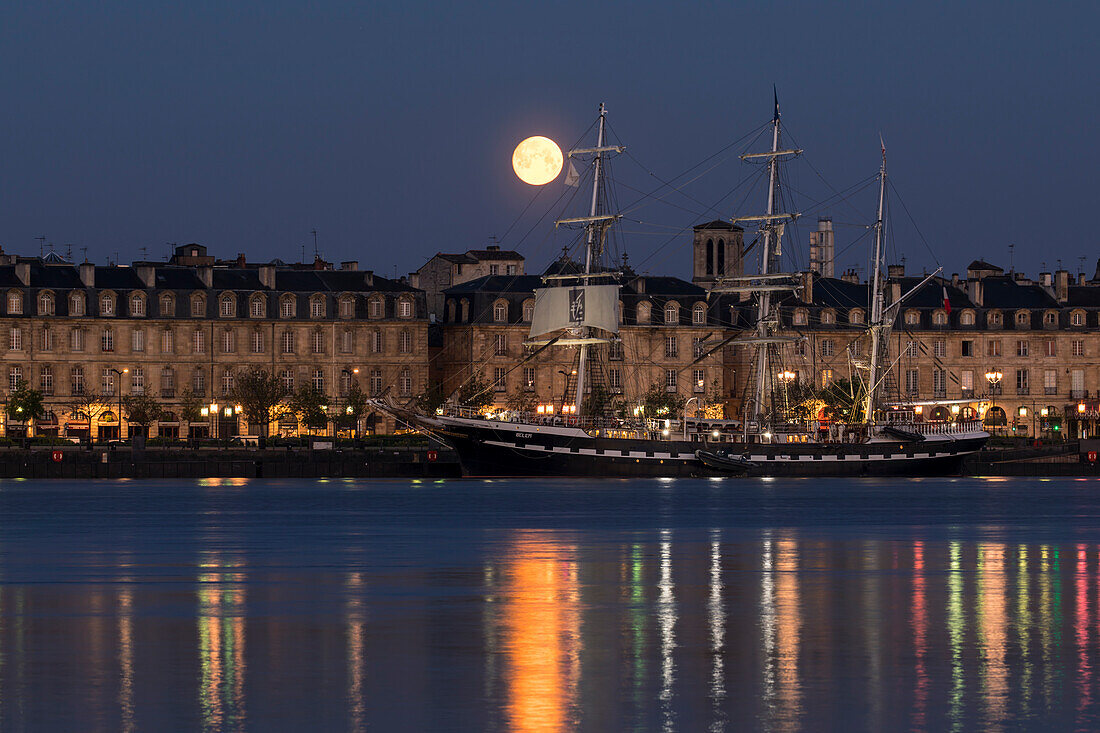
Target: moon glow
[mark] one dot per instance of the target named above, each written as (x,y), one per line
(537,160)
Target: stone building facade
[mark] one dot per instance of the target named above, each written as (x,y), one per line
(193,324)
(444,270)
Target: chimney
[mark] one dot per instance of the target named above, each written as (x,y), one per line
(206,274)
(807,293)
(850,276)
(147,274)
(895,292)
(974,291)
(954,279)
(23,272)
(1061,285)
(1080,278)
(267,276)
(1045,280)
(895,271)
(240,260)
(368,275)
(87,274)
(350,265)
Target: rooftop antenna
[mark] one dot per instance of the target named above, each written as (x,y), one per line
(1011,253)
(1082,267)
(41,245)
(315,255)
(84,250)
(69,251)
(116,258)
(144,253)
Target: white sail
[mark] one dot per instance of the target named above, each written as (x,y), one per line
(592,306)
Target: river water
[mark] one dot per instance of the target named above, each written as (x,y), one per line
(545,605)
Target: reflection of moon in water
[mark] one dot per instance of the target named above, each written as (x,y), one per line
(537,160)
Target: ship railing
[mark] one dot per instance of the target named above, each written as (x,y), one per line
(584,422)
(939,428)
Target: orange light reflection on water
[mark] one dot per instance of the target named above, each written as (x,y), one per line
(541,633)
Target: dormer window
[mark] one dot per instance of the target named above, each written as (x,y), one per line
(828,316)
(699,315)
(228,306)
(528,310)
(76,304)
(137,305)
(672,314)
(643,312)
(855,316)
(167,305)
(1023,319)
(347,307)
(257,307)
(1050,319)
(939,318)
(994,318)
(1077,318)
(198,306)
(799,317)
(912,318)
(404,308)
(376,308)
(15,303)
(287,307)
(317,307)
(500,312)
(966,318)
(107,304)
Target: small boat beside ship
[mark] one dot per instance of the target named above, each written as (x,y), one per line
(581,311)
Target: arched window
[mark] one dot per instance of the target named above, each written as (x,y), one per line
(799,317)
(912,317)
(46,304)
(699,315)
(228,307)
(643,312)
(198,306)
(672,314)
(376,307)
(15,303)
(137,305)
(317,306)
(107,304)
(500,311)
(1077,318)
(994,318)
(451,311)
(465,305)
(966,318)
(347,306)
(76,304)
(257,307)
(939,318)
(528,310)
(721,269)
(404,308)
(855,316)
(167,305)
(828,316)
(287,307)
(1023,319)
(710,256)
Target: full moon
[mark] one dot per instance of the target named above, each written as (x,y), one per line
(537,160)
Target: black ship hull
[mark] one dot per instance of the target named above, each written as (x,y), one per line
(486,449)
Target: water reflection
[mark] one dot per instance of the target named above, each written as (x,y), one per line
(348,623)
(541,633)
(221,597)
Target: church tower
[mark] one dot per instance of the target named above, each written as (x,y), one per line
(717,251)
(823,248)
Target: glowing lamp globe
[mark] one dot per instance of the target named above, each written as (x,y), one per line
(537,160)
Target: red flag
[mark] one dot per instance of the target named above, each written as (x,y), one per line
(946,301)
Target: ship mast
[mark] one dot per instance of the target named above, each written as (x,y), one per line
(878,325)
(588,254)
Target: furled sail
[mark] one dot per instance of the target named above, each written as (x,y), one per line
(594,306)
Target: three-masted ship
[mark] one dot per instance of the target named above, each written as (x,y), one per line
(580,310)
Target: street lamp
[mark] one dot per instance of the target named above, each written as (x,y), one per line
(690,400)
(786,377)
(214,420)
(119,372)
(994,378)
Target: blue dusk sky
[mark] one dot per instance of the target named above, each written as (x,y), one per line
(388,127)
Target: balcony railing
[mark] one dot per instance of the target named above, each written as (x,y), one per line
(1078,394)
(1050,390)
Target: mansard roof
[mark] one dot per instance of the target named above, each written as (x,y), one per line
(1001,291)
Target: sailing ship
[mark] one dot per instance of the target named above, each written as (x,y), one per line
(580,310)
